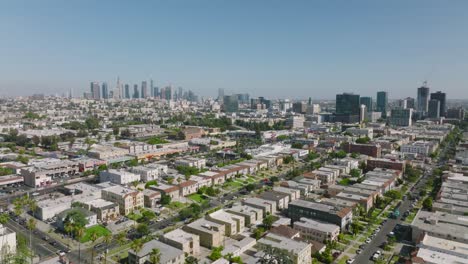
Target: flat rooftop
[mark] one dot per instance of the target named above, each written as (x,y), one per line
(443,223)
(283,243)
(180,235)
(317,225)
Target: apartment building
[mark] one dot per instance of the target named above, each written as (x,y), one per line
(169,254)
(105,210)
(234,224)
(151,172)
(298,252)
(126,198)
(187,242)
(211,234)
(317,211)
(317,230)
(251,215)
(121,177)
(7,241)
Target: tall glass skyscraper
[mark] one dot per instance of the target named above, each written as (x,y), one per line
(441,97)
(382,103)
(347,104)
(367,101)
(105,90)
(423,99)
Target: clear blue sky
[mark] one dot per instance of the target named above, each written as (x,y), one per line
(293,49)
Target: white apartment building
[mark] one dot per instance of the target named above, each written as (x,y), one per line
(118,176)
(424,148)
(191,162)
(151,172)
(317,230)
(7,241)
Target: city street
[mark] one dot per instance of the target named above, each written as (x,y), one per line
(388,226)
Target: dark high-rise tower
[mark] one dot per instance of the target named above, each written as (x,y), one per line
(136,94)
(127,91)
(382,103)
(423,99)
(347,104)
(105,90)
(441,97)
(367,101)
(434,108)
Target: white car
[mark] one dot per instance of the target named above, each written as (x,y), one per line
(349,261)
(368,240)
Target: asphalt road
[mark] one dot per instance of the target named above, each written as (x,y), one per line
(371,248)
(41,248)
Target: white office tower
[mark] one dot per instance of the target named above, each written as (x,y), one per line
(117,94)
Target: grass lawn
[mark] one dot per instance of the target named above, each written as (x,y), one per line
(410,217)
(99,229)
(362,239)
(343,259)
(349,237)
(196,197)
(175,205)
(233,184)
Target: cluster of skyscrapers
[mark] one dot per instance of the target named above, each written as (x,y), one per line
(352,108)
(102,91)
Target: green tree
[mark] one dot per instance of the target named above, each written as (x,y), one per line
(92,123)
(136,245)
(155,256)
(31,225)
(216,253)
(427,203)
(191,260)
(165,199)
(268,221)
(143,229)
(107,239)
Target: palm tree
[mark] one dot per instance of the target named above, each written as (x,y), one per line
(107,240)
(4,218)
(32,204)
(78,235)
(94,236)
(31,224)
(18,206)
(137,245)
(121,238)
(155,256)
(69,228)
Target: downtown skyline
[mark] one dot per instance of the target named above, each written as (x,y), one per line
(307,50)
